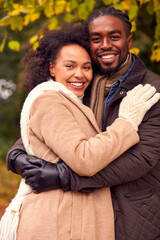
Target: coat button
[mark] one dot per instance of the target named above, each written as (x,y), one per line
(128,195)
(121,92)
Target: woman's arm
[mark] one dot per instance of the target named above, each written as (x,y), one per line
(54,123)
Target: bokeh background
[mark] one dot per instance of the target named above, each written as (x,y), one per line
(23,23)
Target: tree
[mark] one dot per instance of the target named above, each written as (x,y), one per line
(22,16)
(23,23)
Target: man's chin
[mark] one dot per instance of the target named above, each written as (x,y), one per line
(108,70)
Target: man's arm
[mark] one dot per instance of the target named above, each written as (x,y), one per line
(11,155)
(131,165)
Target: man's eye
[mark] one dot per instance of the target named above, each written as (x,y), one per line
(87,67)
(95,39)
(115,37)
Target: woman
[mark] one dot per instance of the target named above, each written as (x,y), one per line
(56,125)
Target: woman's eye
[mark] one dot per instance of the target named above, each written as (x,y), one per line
(69,66)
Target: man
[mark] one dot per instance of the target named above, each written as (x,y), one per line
(134,177)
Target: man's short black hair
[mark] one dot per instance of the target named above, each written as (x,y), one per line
(111,11)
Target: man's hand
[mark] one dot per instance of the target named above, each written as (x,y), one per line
(43,175)
(38,173)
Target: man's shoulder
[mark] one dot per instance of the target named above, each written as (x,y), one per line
(152,78)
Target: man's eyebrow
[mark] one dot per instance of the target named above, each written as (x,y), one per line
(110,32)
(94,33)
(115,31)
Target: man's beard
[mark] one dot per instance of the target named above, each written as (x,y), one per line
(109,70)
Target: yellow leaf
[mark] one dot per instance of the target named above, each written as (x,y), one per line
(17,9)
(35,45)
(135,50)
(125,5)
(33,39)
(48,8)
(29,2)
(16,23)
(41,2)
(107,2)
(31,17)
(53,23)
(155,57)
(14,45)
(2,45)
(143,2)
(133,26)
(60,6)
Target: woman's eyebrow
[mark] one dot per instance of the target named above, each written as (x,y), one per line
(69,61)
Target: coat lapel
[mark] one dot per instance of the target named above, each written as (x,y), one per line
(84,109)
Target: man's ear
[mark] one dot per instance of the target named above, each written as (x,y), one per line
(51,69)
(129,42)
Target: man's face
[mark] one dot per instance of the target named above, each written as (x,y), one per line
(109,43)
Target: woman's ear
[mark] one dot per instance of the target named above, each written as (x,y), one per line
(51,69)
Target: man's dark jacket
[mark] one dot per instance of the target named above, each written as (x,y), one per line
(134,177)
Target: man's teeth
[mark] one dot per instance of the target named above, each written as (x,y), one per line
(77,84)
(107,56)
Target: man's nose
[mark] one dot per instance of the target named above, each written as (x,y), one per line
(106,43)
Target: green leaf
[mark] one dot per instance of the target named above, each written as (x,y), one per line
(14,45)
(5,21)
(150,8)
(73,4)
(107,2)
(90,5)
(83,12)
(69,17)
(133,11)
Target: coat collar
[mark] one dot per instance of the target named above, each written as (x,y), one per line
(136,76)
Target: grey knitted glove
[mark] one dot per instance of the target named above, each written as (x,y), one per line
(137,102)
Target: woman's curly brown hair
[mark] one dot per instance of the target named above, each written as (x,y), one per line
(36,62)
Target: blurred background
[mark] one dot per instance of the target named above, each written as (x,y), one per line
(23,23)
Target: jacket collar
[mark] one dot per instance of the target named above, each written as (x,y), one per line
(136,76)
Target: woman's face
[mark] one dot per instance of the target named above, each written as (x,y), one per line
(73,68)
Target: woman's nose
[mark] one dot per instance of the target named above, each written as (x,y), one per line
(78,73)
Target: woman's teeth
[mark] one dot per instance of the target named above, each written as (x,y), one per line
(77,84)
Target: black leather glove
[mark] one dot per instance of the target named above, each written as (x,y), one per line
(18,161)
(38,173)
(42,178)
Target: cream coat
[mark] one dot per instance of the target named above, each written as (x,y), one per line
(59,126)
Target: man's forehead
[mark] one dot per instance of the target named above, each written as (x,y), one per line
(106,23)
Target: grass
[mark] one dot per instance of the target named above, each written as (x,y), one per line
(9,183)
